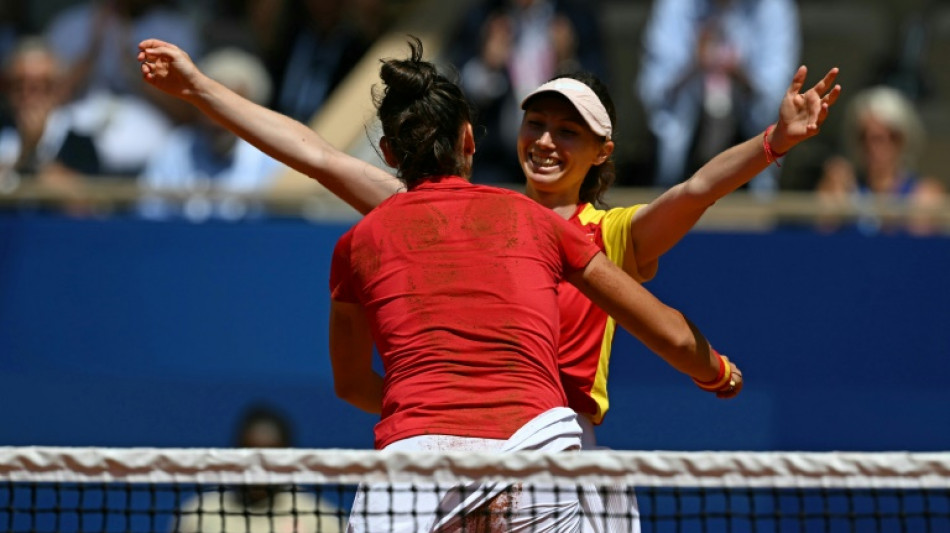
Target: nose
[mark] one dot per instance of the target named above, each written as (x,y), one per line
(546,139)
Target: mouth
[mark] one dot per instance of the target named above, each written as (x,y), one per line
(546,162)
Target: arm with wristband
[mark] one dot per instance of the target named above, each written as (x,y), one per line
(728,381)
(659,225)
(662,329)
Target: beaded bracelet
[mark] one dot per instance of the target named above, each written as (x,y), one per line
(770,156)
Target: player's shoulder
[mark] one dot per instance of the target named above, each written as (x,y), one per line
(382,209)
(590,214)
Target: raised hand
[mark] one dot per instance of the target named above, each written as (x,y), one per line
(168,68)
(802,113)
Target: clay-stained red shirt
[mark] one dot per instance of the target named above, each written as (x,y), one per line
(459,283)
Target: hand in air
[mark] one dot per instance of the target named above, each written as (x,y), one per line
(168,68)
(802,113)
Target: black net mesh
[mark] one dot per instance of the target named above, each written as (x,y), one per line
(264,493)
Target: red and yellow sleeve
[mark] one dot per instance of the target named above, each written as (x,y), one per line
(616,235)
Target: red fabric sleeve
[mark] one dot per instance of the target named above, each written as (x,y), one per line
(577,248)
(341,272)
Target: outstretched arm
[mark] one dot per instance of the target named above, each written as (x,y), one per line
(658,226)
(661,328)
(356,182)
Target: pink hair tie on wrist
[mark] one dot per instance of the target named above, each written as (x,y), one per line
(770,155)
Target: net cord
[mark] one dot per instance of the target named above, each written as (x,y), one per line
(923,470)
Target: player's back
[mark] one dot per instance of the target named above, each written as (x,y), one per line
(459,282)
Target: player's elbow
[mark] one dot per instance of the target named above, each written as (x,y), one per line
(682,348)
(358,395)
(677,344)
(698,192)
(348,390)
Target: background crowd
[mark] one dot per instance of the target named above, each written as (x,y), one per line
(690,77)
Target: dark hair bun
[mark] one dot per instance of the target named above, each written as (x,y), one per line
(422,113)
(409,78)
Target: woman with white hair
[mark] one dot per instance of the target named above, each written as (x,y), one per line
(883,136)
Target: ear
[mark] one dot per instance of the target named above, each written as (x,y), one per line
(468,139)
(387,150)
(605,150)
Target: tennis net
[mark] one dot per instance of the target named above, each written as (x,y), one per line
(162,490)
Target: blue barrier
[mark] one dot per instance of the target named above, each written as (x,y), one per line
(123,332)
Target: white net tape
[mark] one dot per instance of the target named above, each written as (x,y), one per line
(634,468)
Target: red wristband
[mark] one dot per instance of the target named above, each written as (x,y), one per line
(722,369)
(724,376)
(770,155)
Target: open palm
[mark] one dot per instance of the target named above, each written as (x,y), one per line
(802,113)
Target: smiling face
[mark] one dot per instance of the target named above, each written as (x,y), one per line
(880,144)
(556,148)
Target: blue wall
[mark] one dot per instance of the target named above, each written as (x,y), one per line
(129,333)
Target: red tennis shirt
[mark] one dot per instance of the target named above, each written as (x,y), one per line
(459,283)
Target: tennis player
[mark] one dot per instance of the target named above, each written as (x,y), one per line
(457,286)
(564,147)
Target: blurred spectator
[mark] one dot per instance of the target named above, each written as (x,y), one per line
(373,17)
(883,136)
(257,508)
(323,44)
(905,66)
(94,38)
(249,24)
(204,164)
(507,48)
(37,133)
(252,25)
(124,128)
(12,25)
(125,117)
(713,74)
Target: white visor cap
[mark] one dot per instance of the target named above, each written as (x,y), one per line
(583,98)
